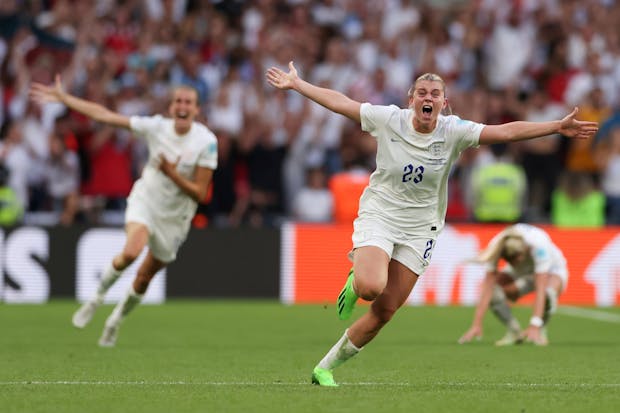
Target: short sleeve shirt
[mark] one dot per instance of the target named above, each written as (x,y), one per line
(408,189)
(197,148)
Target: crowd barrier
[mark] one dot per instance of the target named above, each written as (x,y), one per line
(39,263)
(300,263)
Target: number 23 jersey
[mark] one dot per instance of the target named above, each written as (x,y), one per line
(409,188)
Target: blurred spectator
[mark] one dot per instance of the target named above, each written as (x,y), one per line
(14,155)
(498,189)
(11,209)
(580,156)
(541,158)
(347,187)
(577,203)
(314,202)
(62,175)
(509,48)
(110,177)
(608,157)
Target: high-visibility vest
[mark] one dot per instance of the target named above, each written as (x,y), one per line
(499,189)
(588,211)
(11,210)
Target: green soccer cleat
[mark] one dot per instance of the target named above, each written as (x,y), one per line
(346,299)
(323,377)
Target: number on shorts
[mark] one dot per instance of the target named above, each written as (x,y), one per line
(429,249)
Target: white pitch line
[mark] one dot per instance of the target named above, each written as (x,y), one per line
(264,384)
(587,313)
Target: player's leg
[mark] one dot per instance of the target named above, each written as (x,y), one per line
(149,267)
(508,289)
(400,282)
(553,289)
(367,279)
(137,237)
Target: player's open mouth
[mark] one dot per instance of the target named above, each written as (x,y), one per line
(182,115)
(427,109)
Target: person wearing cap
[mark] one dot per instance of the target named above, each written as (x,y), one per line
(533,264)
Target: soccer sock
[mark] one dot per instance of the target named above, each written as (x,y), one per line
(551,303)
(501,309)
(343,350)
(108,278)
(123,308)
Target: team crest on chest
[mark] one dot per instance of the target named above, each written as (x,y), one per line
(436,149)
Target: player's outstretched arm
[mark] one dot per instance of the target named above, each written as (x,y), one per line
(521,130)
(331,99)
(41,93)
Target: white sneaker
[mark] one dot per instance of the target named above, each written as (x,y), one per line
(109,335)
(510,338)
(84,314)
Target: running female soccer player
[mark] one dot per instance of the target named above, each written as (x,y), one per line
(162,203)
(403,209)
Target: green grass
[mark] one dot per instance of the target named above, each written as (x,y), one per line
(237,356)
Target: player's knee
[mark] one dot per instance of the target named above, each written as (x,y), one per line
(369,290)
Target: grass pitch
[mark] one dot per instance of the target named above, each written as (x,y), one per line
(239,356)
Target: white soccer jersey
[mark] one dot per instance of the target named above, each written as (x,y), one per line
(544,256)
(409,189)
(154,189)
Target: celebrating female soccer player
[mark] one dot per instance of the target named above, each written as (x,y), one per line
(403,208)
(162,203)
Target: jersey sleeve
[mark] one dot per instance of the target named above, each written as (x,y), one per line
(468,132)
(375,117)
(208,156)
(143,125)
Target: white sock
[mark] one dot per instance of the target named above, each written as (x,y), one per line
(499,306)
(514,326)
(108,278)
(343,350)
(124,307)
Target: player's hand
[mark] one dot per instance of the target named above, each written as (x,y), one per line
(41,93)
(573,128)
(167,167)
(282,80)
(471,334)
(534,335)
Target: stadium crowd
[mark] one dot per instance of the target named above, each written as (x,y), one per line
(283,157)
